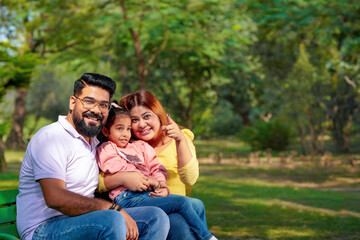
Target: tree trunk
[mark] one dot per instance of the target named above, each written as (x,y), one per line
(15,139)
(302,134)
(311,140)
(190,109)
(347,134)
(2,156)
(245,117)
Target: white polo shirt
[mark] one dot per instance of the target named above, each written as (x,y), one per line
(56,151)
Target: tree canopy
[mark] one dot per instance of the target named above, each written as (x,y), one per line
(215,65)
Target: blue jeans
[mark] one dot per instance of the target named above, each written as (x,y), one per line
(179,228)
(171,204)
(152,223)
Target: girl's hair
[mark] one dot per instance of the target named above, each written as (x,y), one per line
(115,111)
(146,99)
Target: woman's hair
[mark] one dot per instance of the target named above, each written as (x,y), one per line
(146,99)
(115,111)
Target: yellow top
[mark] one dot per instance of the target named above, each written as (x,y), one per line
(188,174)
(177,178)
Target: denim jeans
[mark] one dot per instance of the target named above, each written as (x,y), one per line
(171,204)
(152,223)
(179,228)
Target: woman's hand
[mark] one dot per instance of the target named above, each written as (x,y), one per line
(135,181)
(172,130)
(182,148)
(132,231)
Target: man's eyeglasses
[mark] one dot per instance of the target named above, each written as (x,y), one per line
(89,103)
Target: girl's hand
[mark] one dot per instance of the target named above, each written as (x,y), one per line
(172,130)
(153,183)
(160,192)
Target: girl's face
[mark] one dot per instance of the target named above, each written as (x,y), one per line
(145,123)
(120,131)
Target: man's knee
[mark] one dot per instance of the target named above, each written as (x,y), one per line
(159,215)
(113,223)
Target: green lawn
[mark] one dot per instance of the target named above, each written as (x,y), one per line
(268,201)
(279,203)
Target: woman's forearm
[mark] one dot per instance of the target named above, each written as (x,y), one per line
(184,154)
(112,181)
(134,181)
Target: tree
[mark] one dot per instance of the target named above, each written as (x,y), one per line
(329,30)
(36,30)
(195,55)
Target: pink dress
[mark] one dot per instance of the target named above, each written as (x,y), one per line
(137,156)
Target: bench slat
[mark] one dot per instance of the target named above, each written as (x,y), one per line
(7,214)
(8,196)
(9,229)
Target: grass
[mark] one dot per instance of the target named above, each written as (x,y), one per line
(267,201)
(10,178)
(278,203)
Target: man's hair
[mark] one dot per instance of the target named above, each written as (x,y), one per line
(95,79)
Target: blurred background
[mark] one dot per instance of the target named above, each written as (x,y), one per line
(222,68)
(257,81)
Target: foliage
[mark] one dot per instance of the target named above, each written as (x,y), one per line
(218,121)
(328,30)
(267,134)
(214,65)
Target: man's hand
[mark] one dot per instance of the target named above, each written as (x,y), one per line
(132,232)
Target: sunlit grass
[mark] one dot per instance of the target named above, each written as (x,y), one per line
(255,203)
(14,155)
(10,178)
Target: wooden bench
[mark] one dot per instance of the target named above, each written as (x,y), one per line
(8,215)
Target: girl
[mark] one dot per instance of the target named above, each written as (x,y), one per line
(118,154)
(175,150)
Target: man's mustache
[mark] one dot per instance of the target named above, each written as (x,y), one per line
(93,115)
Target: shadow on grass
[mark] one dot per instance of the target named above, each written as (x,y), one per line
(240,207)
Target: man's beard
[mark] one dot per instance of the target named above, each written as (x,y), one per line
(89,131)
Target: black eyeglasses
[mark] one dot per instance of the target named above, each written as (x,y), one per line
(89,103)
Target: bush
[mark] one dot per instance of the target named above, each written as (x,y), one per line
(263,135)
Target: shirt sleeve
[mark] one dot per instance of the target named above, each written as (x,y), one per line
(49,161)
(190,172)
(108,158)
(157,170)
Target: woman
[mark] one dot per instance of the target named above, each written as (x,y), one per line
(174,149)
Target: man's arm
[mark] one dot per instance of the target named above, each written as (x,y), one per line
(67,202)
(73,204)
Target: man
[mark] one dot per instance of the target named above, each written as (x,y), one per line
(59,175)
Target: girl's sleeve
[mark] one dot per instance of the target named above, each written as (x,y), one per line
(157,170)
(108,159)
(190,172)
